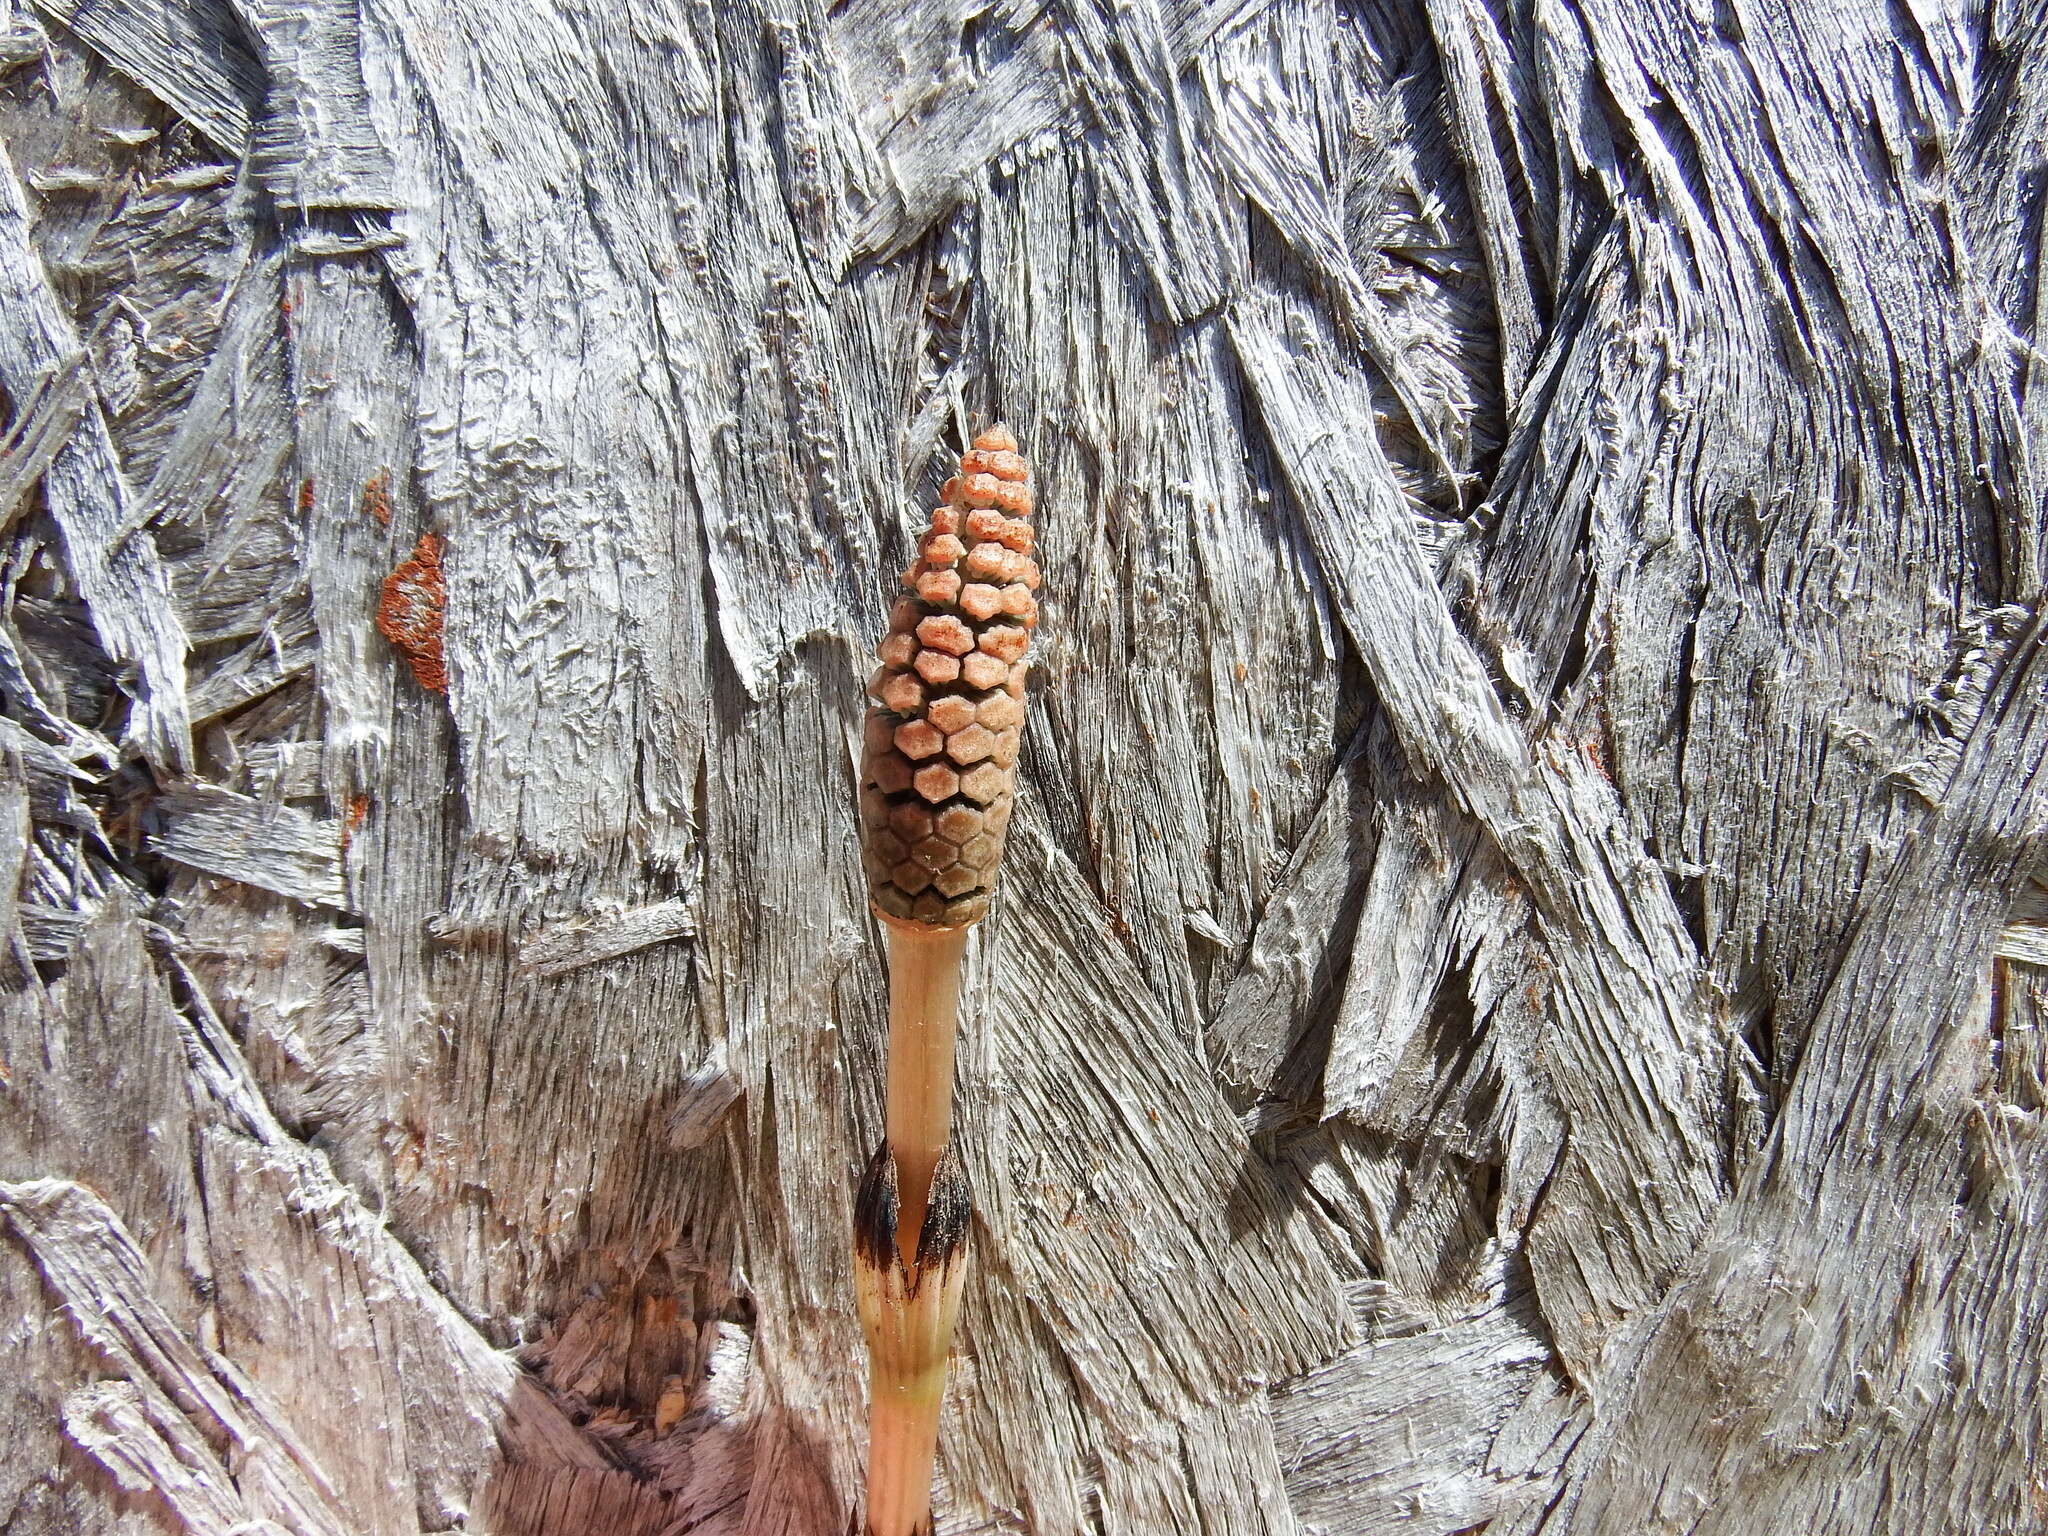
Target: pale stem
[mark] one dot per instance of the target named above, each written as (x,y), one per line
(924,1018)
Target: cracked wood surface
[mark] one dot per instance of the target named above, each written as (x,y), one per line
(1517,1003)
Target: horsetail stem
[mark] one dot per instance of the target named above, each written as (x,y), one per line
(938,775)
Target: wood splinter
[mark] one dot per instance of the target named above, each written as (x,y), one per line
(937,780)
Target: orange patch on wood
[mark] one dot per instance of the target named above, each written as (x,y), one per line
(409,613)
(305,496)
(377,498)
(358,808)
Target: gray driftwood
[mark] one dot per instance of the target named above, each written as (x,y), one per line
(1518,1000)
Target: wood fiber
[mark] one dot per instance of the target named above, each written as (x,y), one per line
(1516,999)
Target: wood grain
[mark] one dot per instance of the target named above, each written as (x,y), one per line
(1517,1005)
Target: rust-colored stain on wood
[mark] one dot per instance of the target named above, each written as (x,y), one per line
(409,612)
(377,497)
(358,808)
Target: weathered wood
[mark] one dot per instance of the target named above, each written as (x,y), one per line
(1518,1005)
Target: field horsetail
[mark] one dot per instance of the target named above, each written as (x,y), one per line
(938,773)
